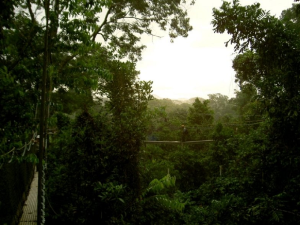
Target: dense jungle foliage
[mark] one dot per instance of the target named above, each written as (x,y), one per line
(99,171)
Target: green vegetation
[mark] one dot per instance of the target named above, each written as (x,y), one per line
(99,171)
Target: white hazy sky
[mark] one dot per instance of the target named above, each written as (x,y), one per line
(199,64)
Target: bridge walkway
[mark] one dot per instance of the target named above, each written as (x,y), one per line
(29,215)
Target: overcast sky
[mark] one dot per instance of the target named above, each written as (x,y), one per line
(199,64)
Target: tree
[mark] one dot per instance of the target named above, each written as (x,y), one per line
(63,50)
(128,100)
(200,117)
(270,43)
(104,147)
(81,35)
(83,176)
(200,114)
(220,105)
(269,62)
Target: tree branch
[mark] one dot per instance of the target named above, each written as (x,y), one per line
(68,59)
(142,19)
(30,11)
(105,39)
(103,23)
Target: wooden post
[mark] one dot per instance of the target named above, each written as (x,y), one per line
(43,121)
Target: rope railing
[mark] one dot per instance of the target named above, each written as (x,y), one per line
(182,143)
(178,142)
(199,128)
(26,147)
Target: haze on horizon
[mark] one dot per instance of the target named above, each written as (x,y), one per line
(199,64)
